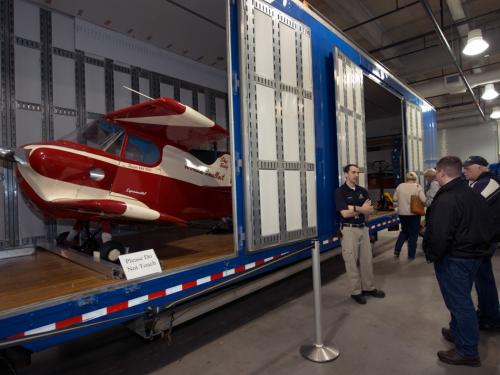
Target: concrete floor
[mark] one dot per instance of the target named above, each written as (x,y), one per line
(262,333)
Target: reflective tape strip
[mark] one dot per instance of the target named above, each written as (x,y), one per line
(99,313)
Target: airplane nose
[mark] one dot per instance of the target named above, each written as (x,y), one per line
(13,155)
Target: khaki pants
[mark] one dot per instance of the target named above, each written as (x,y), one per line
(356,247)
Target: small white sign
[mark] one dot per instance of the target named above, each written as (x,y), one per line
(140,264)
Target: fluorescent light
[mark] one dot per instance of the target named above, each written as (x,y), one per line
(489,92)
(495,113)
(475,43)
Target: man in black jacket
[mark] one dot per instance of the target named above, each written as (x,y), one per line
(484,182)
(457,238)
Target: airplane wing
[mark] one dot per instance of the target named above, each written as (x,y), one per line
(115,209)
(167,117)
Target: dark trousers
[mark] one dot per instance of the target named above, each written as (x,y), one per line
(487,293)
(455,277)
(410,225)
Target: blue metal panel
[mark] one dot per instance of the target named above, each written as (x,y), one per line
(238,184)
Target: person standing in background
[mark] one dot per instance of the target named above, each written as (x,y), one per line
(431,186)
(410,222)
(485,183)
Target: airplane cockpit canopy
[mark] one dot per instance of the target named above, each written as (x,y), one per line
(104,135)
(100,134)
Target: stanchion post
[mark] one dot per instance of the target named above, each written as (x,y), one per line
(318,352)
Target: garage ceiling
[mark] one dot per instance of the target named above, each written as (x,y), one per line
(398,33)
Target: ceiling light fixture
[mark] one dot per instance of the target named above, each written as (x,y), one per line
(489,92)
(475,43)
(495,113)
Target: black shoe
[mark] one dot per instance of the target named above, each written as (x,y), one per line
(452,357)
(396,254)
(377,293)
(446,332)
(359,298)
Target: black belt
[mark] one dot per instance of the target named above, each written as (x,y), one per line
(362,225)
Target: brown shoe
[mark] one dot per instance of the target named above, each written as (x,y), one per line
(446,332)
(452,357)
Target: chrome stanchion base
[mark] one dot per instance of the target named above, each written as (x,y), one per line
(319,353)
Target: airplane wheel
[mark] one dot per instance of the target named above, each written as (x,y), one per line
(111,250)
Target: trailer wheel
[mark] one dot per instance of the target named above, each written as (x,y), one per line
(111,250)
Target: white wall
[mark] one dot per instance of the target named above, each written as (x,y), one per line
(464,141)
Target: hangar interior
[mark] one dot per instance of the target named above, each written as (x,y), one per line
(67,64)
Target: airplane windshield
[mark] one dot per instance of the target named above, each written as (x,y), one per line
(100,134)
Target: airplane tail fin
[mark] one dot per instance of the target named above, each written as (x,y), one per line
(221,169)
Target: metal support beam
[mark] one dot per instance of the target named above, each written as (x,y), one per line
(8,116)
(439,32)
(134,80)
(397,9)
(81,106)
(109,86)
(47,104)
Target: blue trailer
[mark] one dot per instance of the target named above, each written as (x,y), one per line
(295,87)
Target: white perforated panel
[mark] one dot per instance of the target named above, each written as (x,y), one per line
(63,71)
(279,127)
(28,78)
(311,199)
(27,20)
(123,97)
(166,90)
(266,125)
(28,127)
(351,135)
(202,108)
(63,31)
(292,200)
(288,55)
(144,89)
(290,127)
(414,140)
(264,45)
(269,201)
(309,131)
(187,97)
(63,125)
(306,61)
(94,89)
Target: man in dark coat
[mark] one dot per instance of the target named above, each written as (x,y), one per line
(458,237)
(486,183)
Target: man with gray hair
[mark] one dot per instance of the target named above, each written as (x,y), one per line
(484,182)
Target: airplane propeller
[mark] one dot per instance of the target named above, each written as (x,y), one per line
(13,155)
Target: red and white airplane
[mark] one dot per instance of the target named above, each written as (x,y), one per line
(131,165)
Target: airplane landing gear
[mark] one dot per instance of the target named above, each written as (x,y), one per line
(88,242)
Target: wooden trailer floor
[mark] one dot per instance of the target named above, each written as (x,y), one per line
(43,276)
